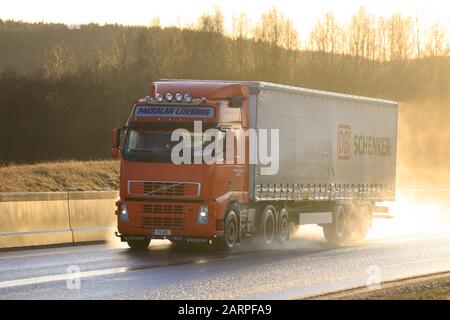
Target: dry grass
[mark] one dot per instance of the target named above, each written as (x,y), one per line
(60,176)
(430,294)
(431,287)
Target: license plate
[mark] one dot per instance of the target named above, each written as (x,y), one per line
(162,232)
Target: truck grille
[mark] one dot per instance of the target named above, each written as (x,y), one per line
(161,209)
(162,216)
(162,222)
(163,188)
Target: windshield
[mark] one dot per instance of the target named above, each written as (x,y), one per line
(152,145)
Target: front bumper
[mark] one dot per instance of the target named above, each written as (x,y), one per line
(167,220)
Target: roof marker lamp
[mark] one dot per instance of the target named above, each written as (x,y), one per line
(169,96)
(178,97)
(202,215)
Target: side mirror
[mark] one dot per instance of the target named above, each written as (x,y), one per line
(235,101)
(115,145)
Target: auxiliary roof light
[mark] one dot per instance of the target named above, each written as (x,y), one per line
(169,96)
(187,97)
(178,97)
(159,97)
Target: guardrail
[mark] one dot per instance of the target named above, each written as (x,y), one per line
(41,218)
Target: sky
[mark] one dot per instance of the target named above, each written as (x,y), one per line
(173,12)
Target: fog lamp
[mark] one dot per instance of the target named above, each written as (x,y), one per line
(123,213)
(202,215)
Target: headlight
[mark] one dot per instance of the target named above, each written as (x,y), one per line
(202,215)
(187,97)
(178,97)
(169,96)
(159,97)
(123,213)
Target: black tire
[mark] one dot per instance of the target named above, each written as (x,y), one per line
(138,244)
(283,226)
(339,231)
(230,232)
(268,226)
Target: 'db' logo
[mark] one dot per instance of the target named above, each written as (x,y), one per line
(343,142)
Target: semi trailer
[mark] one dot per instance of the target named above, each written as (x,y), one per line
(284,156)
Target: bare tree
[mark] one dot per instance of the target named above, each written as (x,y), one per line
(417,37)
(241,27)
(213,23)
(400,37)
(361,35)
(382,35)
(60,61)
(290,36)
(275,30)
(436,43)
(325,36)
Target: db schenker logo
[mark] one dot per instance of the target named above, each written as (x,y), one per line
(344,141)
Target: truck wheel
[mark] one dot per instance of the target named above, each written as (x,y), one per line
(230,233)
(268,225)
(362,223)
(337,232)
(283,226)
(138,244)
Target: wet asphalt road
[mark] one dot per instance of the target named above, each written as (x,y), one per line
(306,266)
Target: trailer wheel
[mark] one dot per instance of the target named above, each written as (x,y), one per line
(230,234)
(138,244)
(268,225)
(338,231)
(283,226)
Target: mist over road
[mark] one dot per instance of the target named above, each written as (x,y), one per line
(306,266)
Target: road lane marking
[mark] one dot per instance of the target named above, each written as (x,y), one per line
(60,277)
(52,251)
(86,274)
(7,234)
(237,255)
(105,272)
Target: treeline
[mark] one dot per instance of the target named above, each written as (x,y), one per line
(27,47)
(62,89)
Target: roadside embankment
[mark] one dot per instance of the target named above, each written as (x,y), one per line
(101,175)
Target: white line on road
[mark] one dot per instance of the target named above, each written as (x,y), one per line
(60,277)
(104,272)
